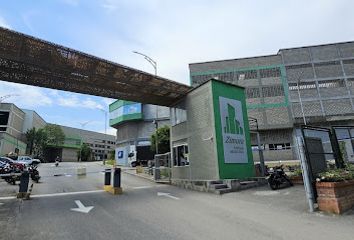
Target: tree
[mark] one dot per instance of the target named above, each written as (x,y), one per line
(30,138)
(86,152)
(36,141)
(163,140)
(55,135)
(112,154)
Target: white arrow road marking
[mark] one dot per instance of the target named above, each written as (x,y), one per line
(167,195)
(81,207)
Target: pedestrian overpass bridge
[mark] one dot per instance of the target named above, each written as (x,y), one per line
(32,61)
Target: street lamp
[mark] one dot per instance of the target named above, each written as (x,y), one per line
(83,124)
(149,59)
(154,64)
(298,92)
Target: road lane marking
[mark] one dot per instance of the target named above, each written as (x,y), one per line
(167,195)
(65,193)
(81,208)
(142,187)
(7,198)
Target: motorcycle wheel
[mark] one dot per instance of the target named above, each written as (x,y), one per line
(289,181)
(272,184)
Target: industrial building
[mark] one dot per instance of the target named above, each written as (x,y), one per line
(135,123)
(101,144)
(311,85)
(14,123)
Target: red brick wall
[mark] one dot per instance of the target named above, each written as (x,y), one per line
(335,197)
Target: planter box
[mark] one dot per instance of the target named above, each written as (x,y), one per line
(297,180)
(335,197)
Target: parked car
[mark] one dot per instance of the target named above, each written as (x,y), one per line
(11,162)
(26,160)
(36,161)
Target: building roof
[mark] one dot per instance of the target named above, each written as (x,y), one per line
(28,60)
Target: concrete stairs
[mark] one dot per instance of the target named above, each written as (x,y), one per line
(219,187)
(230,185)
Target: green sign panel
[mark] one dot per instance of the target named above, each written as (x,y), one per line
(234,143)
(232,134)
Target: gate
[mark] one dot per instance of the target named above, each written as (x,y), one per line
(345,139)
(322,152)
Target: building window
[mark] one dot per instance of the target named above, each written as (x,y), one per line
(279,146)
(180,155)
(271,72)
(253,93)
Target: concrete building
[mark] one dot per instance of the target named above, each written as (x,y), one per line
(11,126)
(313,84)
(100,144)
(14,123)
(32,120)
(135,123)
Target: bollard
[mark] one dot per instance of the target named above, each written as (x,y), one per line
(116,178)
(23,187)
(107,177)
(157,175)
(115,189)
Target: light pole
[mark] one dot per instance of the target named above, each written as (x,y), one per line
(105,119)
(149,59)
(105,132)
(83,124)
(154,64)
(298,93)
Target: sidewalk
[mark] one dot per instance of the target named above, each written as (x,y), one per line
(133,171)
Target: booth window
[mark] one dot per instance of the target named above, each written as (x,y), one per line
(178,115)
(180,155)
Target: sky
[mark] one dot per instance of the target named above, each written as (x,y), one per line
(174,33)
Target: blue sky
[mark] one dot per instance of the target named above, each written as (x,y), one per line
(172,32)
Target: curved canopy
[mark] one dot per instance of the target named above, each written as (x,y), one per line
(28,60)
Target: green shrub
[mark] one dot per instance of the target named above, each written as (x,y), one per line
(336,175)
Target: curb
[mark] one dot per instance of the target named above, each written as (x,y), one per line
(137,175)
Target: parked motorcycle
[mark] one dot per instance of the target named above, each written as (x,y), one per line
(34,174)
(9,174)
(277,177)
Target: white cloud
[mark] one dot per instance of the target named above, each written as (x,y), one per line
(3,23)
(88,103)
(71,100)
(176,33)
(27,96)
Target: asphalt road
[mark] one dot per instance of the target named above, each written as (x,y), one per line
(140,213)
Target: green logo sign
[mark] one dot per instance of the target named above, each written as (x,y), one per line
(232,125)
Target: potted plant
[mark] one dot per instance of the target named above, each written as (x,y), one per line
(335,190)
(296,176)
